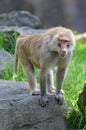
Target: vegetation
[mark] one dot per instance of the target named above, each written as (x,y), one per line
(73,83)
(7,41)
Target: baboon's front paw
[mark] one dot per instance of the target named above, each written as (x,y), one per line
(43,101)
(59,98)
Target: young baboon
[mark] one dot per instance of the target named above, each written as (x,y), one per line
(45,51)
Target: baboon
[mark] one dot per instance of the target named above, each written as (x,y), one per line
(45,51)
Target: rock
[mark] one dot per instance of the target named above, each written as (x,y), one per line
(19,111)
(21,30)
(50,12)
(19,18)
(5,58)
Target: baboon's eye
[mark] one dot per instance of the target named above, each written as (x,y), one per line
(59,44)
(68,45)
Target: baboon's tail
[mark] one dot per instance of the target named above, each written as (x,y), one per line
(15,66)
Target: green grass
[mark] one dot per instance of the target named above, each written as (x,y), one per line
(73,83)
(8,40)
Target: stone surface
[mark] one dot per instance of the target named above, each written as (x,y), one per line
(52,12)
(5,58)
(20,111)
(21,30)
(19,18)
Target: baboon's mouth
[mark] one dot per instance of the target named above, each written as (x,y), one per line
(63,55)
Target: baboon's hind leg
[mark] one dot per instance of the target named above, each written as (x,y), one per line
(29,72)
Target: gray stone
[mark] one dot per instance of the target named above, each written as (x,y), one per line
(21,30)
(19,110)
(5,58)
(20,18)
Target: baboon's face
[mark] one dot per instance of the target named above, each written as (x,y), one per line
(62,44)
